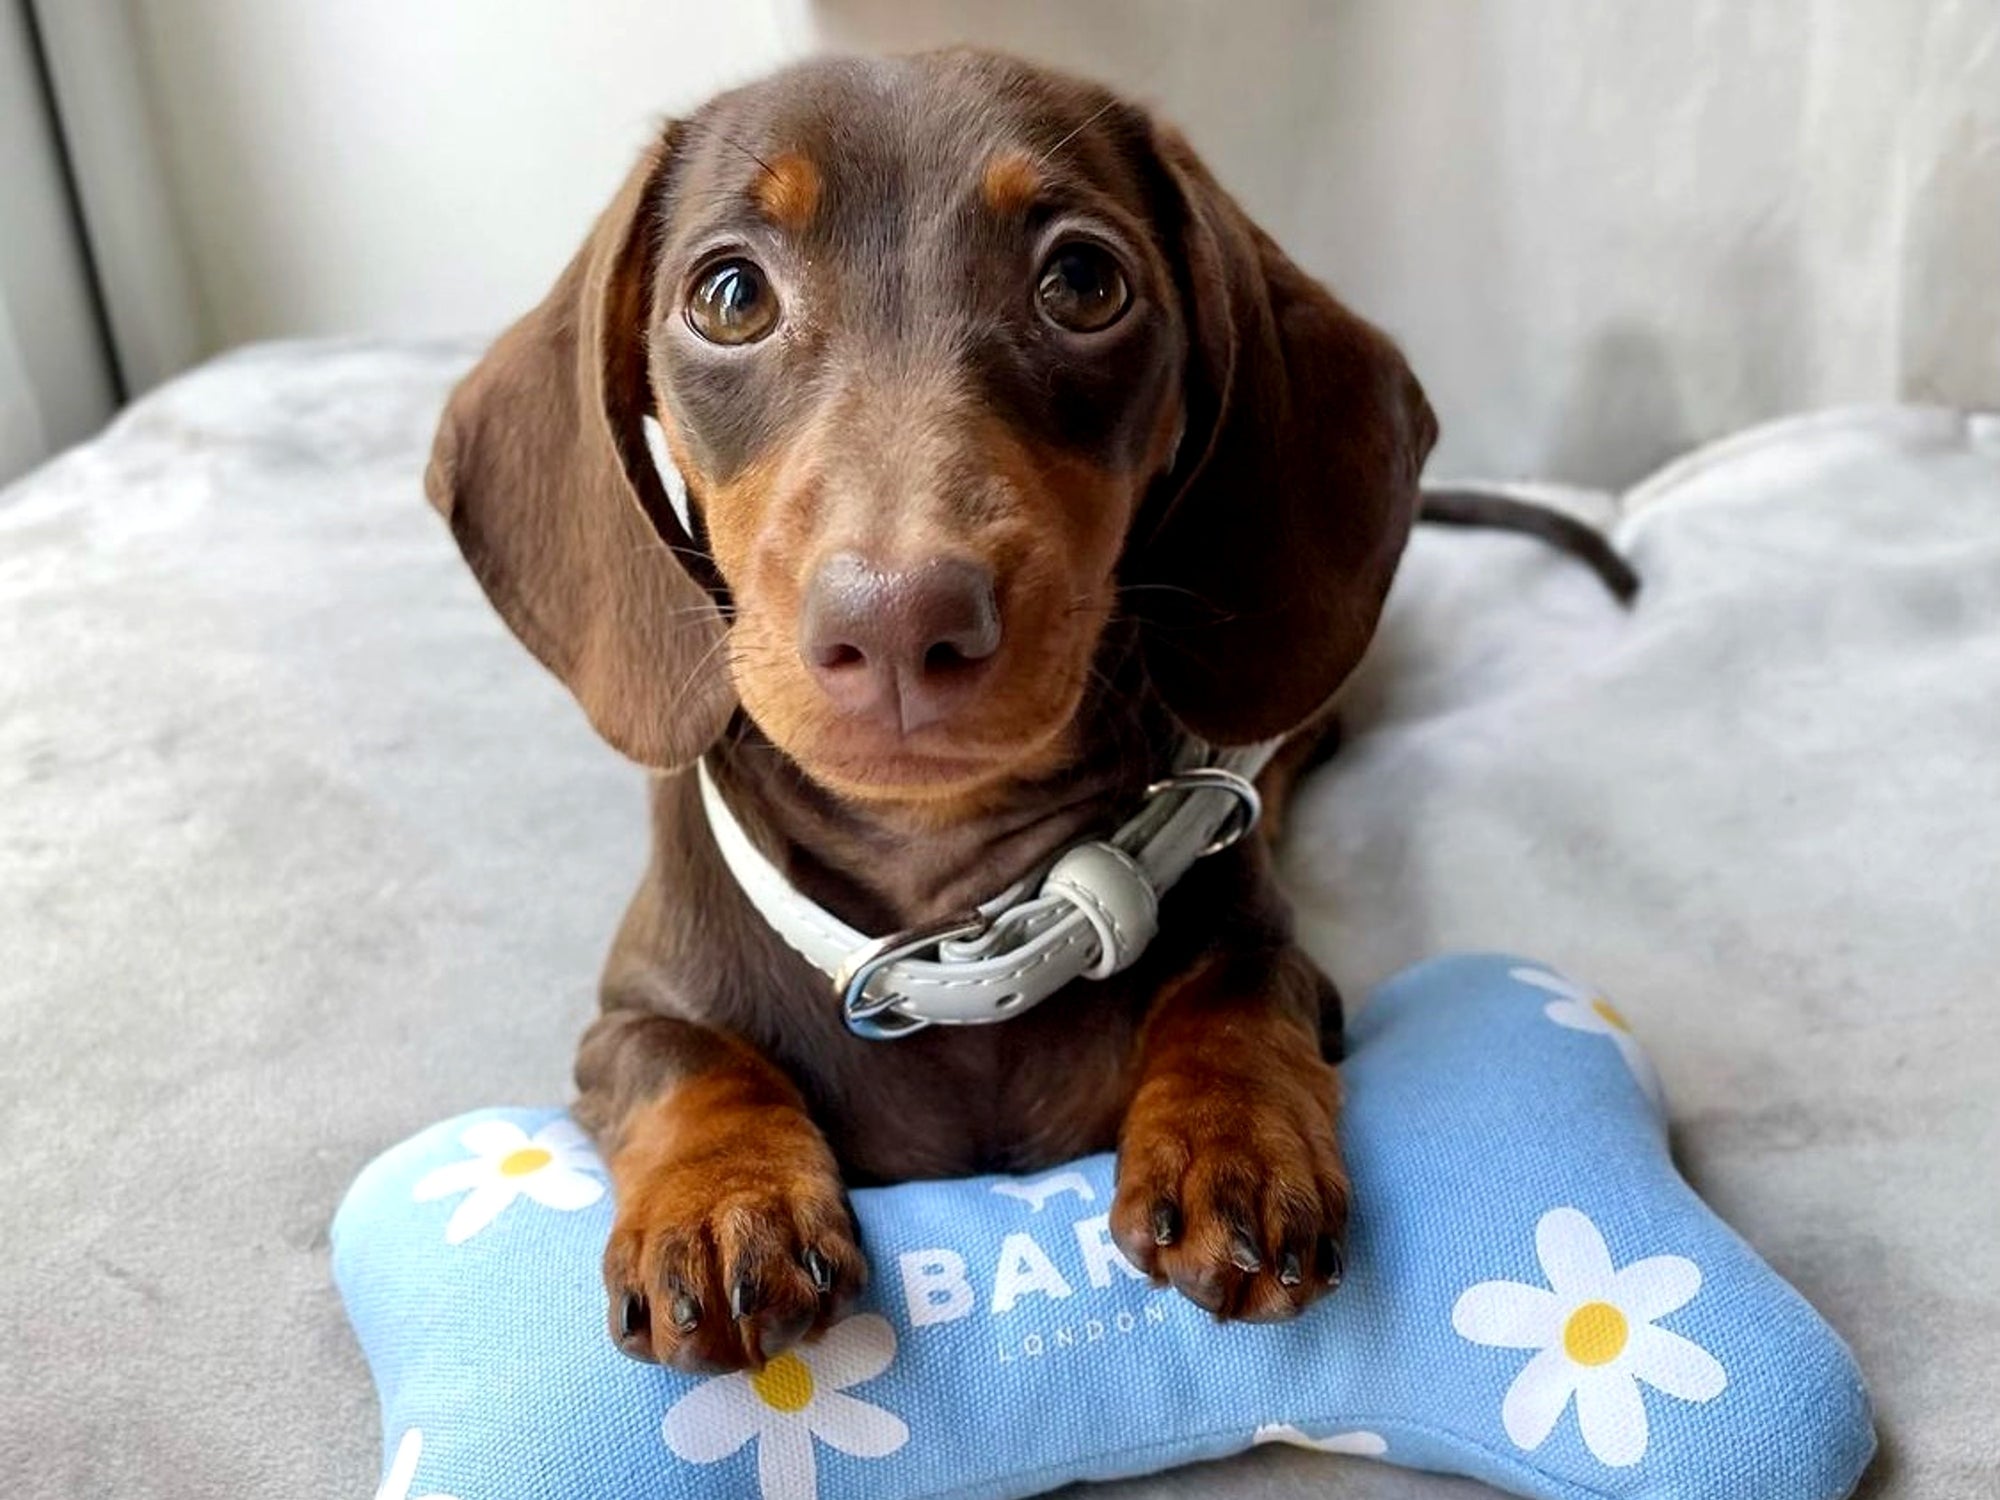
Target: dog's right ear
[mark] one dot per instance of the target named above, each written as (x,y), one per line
(542,469)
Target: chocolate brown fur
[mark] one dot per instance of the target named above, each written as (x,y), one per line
(1192,518)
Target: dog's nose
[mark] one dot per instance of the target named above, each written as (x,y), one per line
(906,646)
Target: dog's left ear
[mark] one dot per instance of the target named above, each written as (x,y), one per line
(1263,569)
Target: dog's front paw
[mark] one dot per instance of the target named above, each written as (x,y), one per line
(730,1244)
(1230,1187)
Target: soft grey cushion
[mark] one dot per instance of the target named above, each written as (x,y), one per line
(299,851)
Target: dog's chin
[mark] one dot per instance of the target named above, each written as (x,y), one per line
(937,775)
(940,774)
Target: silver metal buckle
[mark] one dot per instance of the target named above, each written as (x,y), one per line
(1243,817)
(874,1018)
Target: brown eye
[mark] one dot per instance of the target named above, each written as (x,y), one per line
(733,304)
(1082,289)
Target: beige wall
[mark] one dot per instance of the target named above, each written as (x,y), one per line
(416,167)
(1603,231)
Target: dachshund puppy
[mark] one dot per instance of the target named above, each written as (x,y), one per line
(1017,462)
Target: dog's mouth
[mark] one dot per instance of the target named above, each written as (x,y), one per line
(939,771)
(870,763)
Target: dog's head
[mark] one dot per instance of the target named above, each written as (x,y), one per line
(956,356)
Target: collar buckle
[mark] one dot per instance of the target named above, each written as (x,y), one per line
(1249,805)
(874,1017)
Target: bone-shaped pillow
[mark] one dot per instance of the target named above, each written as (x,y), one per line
(1534,1298)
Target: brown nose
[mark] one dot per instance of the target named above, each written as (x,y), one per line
(903,646)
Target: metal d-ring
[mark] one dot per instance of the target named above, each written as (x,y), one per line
(862,1014)
(1243,817)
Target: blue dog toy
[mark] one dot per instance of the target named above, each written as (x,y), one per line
(1534,1298)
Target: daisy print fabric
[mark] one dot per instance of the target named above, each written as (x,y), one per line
(1583,1010)
(1593,1332)
(1363,1444)
(555,1167)
(797,1398)
(398,1483)
(1534,1298)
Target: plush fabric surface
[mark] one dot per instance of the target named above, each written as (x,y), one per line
(299,852)
(1533,1297)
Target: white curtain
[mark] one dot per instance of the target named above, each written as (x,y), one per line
(55,387)
(125,199)
(23,435)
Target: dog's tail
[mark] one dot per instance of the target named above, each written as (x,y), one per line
(1503,512)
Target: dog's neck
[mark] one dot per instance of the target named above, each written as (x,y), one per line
(883,868)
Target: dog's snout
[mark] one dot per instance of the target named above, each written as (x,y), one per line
(905,646)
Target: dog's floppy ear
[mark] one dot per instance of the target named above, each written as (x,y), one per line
(542,469)
(1262,574)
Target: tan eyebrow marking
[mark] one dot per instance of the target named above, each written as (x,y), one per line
(788,190)
(1010,181)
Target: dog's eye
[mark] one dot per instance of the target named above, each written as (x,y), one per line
(733,304)
(1082,289)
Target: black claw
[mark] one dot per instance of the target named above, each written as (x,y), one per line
(1290,1273)
(1328,1263)
(1166,1223)
(820,1269)
(741,1296)
(687,1313)
(1243,1252)
(633,1315)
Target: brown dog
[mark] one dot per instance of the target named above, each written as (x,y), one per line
(1015,456)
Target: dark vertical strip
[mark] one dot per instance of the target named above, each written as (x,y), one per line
(100,308)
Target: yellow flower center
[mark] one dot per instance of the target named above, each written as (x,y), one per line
(1611,1013)
(785,1384)
(521,1163)
(1595,1334)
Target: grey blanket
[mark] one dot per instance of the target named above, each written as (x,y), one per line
(298,852)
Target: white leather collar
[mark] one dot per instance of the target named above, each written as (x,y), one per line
(1089,915)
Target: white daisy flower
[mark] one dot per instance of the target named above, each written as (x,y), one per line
(1585,1010)
(1367,1444)
(799,1396)
(556,1167)
(1594,1328)
(403,1471)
